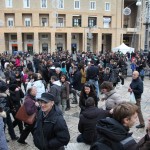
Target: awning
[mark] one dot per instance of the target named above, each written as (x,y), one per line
(15,45)
(29,44)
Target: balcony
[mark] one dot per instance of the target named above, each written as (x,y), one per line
(131,30)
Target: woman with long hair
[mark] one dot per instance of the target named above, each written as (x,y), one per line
(87,91)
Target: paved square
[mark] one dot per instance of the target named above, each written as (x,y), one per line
(72,119)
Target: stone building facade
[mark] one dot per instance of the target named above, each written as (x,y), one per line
(74,25)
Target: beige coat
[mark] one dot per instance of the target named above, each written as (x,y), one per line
(83,77)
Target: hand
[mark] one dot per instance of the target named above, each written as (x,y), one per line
(37,104)
(129,89)
(111,111)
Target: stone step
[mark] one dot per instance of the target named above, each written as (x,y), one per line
(77,146)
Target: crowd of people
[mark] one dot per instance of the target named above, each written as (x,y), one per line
(44,85)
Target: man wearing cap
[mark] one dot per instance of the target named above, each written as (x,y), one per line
(51,131)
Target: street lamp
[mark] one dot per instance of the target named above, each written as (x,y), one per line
(146,14)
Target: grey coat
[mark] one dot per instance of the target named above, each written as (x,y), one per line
(3,143)
(112,99)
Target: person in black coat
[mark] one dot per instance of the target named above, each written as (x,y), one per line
(15,97)
(76,79)
(87,91)
(51,131)
(88,120)
(136,87)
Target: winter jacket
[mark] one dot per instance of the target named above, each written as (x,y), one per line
(76,80)
(29,103)
(137,87)
(87,123)
(39,86)
(17,62)
(83,98)
(83,76)
(112,99)
(55,89)
(92,73)
(51,132)
(114,135)
(65,90)
(3,143)
(4,102)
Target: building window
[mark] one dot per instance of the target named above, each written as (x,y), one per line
(8,3)
(29,37)
(92,5)
(92,22)
(10,22)
(45,47)
(26,3)
(76,22)
(44,36)
(76,4)
(27,22)
(13,37)
(106,21)
(44,22)
(43,3)
(61,4)
(107,6)
(59,36)
(60,22)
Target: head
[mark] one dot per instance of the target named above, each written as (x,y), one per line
(126,114)
(90,102)
(46,102)
(32,91)
(63,78)
(58,70)
(106,86)
(135,75)
(39,76)
(53,79)
(87,88)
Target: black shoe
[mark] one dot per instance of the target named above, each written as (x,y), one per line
(16,138)
(22,142)
(140,126)
(67,109)
(74,102)
(7,140)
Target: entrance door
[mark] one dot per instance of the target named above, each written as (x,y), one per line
(60,47)
(14,48)
(73,47)
(30,49)
(45,48)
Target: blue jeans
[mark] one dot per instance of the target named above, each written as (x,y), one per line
(95,83)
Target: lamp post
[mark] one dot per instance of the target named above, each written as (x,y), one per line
(146,22)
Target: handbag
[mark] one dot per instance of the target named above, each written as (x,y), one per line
(132,98)
(23,116)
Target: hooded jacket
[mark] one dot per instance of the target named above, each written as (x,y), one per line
(112,99)
(87,123)
(115,135)
(56,91)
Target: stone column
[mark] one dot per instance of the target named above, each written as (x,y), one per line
(69,41)
(2,42)
(53,47)
(36,43)
(19,41)
(99,42)
(84,42)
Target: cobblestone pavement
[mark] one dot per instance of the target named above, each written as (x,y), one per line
(71,118)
